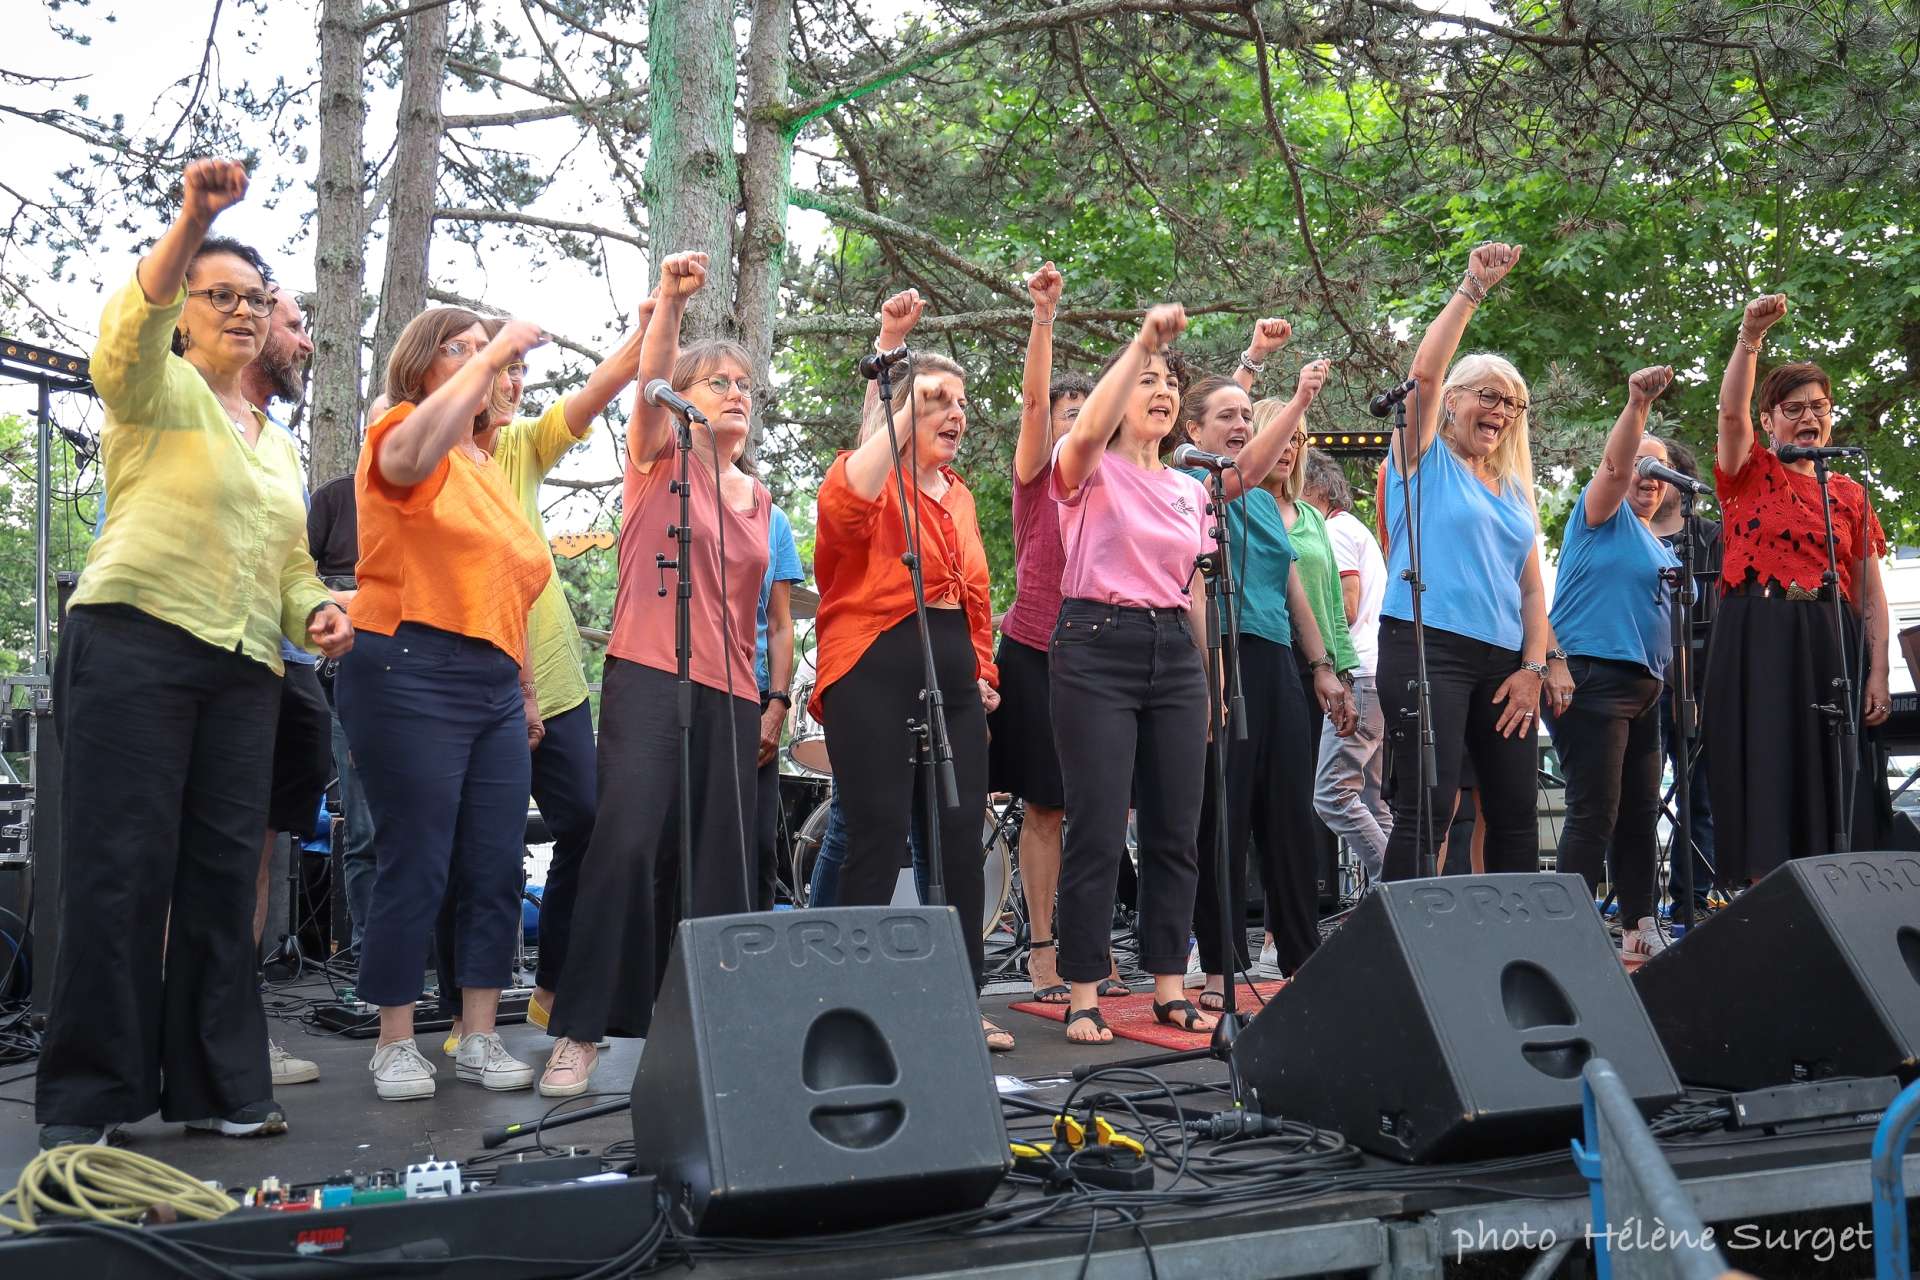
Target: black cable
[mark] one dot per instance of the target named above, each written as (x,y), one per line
(748,877)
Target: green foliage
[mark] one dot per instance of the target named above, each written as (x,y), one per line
(69,534)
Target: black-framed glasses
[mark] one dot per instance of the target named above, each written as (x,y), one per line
(225,300)
(1794,410)
(1489,398)
(719,384)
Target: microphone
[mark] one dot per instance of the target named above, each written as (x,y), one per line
(874,362)
(1808,453)
(660,393)
(1381,405)
(1188,455)
(1651,468)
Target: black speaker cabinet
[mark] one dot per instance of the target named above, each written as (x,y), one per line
(1813,972)
(1448,1019)
(814,1070)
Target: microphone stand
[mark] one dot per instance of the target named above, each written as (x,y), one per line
(1841,715)
(1427,770)
(1224,715)
(682,564)
(1685,716)
(932,748)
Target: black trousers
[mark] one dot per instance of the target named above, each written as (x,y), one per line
(1463,674)
(167,751)
(1129,719)
(866,713)
(629,895)
(1269,801)
(766,833)
(1609,745)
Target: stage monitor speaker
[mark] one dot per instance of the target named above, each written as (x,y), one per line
(1814,972)
(1448,1019)
(818,1070)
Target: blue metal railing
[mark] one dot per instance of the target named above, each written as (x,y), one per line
(1890,1244)
(1644,1223)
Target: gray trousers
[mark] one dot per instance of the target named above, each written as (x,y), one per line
(1346,788)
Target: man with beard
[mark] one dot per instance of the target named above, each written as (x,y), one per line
(303,744)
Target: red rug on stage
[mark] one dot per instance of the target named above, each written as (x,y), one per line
(1131,1017)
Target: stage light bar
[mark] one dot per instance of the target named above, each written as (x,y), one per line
(27,362)
(1349,443)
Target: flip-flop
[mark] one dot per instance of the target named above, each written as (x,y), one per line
(1091,1014)
(999,1039)
(1112,988)
(1058,994)
(1188,1015)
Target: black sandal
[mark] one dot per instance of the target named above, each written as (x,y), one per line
(1188,1015)
(1112,988)
(1059,991)
(1213,1001)
(1091,1014)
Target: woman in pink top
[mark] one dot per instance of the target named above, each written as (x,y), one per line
(629,881)
(1129,682)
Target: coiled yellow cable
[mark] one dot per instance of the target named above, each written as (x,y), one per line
(103,1184)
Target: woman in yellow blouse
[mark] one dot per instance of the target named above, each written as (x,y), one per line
(166,694)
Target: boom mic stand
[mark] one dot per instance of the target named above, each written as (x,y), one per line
(1686,716)
(1223,717)
(1842,713)
(933,749)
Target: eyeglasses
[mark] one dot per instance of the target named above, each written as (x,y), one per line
(458,349)
(720,385)
(515,370)
(1489,398)
(1794,410)
(225,300)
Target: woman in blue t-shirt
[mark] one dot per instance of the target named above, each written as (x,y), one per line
(1484,607)
(1612,613)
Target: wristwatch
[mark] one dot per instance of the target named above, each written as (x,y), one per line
(779,695)
(1538,668)
(1556,654)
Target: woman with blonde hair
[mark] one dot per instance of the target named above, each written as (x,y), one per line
(1484,607)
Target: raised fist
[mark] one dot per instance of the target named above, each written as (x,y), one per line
(212,186)
(1645,386)
(1313,376)
(1162,325)
(515,339)
(643,315)
(1043,286)
(682,275)
(898,315)
(1268,337)
(1762,314)
(1491,262)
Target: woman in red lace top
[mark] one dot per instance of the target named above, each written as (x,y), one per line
(1774,655)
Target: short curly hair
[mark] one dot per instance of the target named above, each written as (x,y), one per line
(214,246)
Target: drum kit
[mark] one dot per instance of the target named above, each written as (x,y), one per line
(806,786)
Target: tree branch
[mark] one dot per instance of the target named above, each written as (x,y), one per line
(967,321)
(532,114)
(452,299)
(397,15)
(597,33)
(879,225)
(533,220)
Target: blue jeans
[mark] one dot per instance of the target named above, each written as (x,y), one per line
(440,737)
(356,859)
(825,889)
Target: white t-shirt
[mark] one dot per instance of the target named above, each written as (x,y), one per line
(1355,552)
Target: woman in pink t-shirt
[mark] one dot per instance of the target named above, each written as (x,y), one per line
(1129,685)
(629,880)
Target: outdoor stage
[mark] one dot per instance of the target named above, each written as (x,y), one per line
(1374,1217)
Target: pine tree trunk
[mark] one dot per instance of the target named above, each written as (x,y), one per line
(340,250)
(768,179)
(692,180)
(416,168)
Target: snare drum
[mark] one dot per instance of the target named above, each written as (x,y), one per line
(807,745)
(996,859)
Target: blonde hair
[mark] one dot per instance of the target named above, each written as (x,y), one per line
(1295,482)
(1512,458)
(923,362)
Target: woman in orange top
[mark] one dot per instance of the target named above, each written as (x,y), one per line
(629,881)
(869,659)
(436,701)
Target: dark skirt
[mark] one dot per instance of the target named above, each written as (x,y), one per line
(1769,754)
(1021,758)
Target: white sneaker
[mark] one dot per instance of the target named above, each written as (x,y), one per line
(1644,940)
(1267,967)
(288,1069)
(401,1072)
(484,1061)
(1196,977)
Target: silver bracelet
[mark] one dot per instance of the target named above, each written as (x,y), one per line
(1250,366)
(1753,347)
